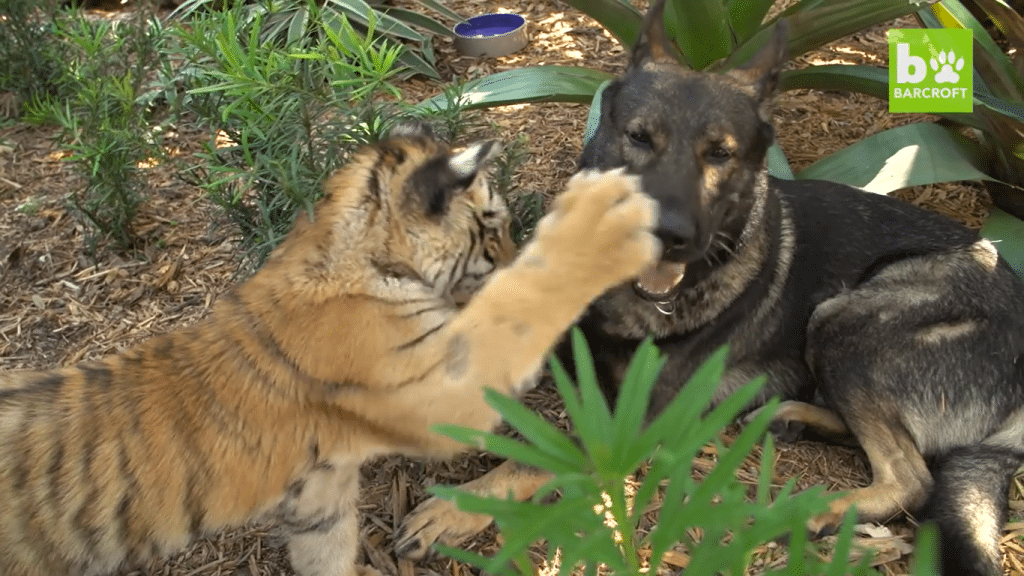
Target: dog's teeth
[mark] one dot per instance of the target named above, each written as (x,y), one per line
(661,279)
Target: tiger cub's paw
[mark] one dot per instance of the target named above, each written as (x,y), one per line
(600,230)
(436,520)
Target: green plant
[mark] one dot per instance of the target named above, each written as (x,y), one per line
(526,208)
(596,519)
(508,163)
(281,117)
(33,59)
(105,123)
(295,23)
(452,114)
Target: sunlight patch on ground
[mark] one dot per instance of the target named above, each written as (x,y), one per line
(856,56)
(223,140)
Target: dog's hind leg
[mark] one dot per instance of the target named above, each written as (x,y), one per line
(900,478)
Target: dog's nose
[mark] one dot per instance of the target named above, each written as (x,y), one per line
(676,233)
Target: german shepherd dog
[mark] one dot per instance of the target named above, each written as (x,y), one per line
(877,322)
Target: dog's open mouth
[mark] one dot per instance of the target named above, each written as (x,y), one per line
(659,284)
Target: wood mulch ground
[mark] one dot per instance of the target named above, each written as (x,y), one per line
(58,305)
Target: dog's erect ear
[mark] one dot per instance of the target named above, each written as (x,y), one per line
(761,73)
(653,44)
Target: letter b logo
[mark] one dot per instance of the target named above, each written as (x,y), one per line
(930,70)
(905,62)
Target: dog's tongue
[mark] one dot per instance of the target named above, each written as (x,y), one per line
(662,279)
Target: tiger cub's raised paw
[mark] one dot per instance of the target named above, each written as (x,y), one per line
(600,229)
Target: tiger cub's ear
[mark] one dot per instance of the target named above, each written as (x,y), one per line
(437,182)
(411,129)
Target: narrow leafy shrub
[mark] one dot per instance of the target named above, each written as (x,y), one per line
(293,22)
(595,521)
(107,124)
(526,208)
(281,117)
(33,59)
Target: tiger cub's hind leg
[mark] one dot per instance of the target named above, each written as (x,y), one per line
(320,516)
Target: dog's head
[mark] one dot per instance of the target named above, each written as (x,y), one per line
(697,139)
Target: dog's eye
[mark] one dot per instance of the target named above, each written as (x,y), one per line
(639,138)
(718,153)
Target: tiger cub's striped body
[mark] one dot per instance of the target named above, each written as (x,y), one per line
(347,344)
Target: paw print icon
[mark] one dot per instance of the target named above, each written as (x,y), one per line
(947,61)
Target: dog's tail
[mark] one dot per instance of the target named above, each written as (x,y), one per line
(968,502)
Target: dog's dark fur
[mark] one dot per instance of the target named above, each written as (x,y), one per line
(878,322)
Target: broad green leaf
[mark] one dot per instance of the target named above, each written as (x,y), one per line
(745,17)
(700,29)
(811,28)
(1008,109)
(417,19)
(875,82)
(911,155)
(530,84)
(594,115)
(297,27)
(619,18)
(993,65)
(868,80)
(417,63)
(357,11)
(1007,234)
(440,8)
(778,165)
(1006,19)
(939,17)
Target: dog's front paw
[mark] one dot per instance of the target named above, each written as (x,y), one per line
(780,427)
(600,229)
(795,420)
(436,520)
(823,525)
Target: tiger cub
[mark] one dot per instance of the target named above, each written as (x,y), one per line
(349,343)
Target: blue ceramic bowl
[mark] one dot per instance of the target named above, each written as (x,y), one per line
(491,35)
